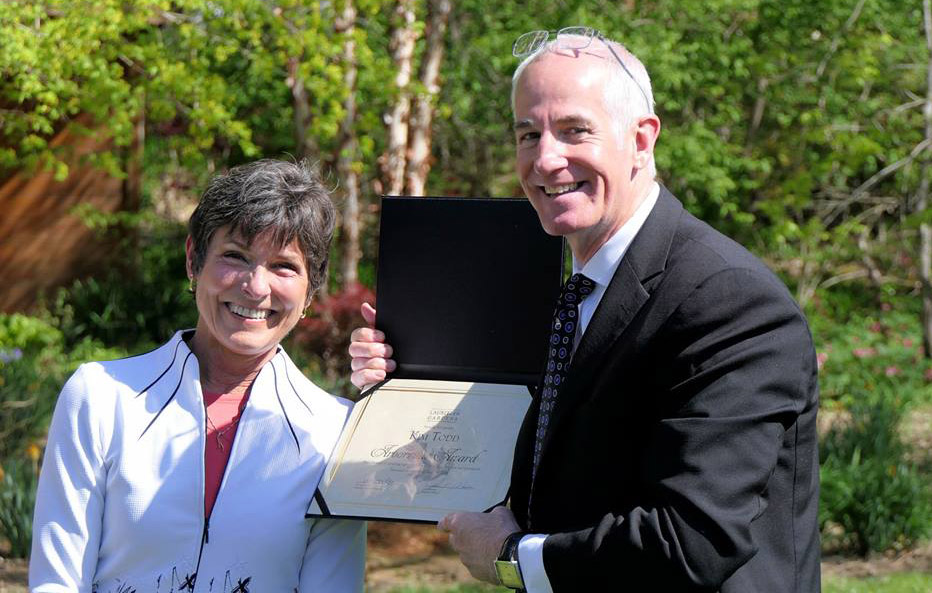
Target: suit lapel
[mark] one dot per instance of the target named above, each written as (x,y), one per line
(637,273)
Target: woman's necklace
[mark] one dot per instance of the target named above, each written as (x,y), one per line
(219,434)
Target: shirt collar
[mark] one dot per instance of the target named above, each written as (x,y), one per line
(602,265)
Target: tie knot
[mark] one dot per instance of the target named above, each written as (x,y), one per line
(576,289)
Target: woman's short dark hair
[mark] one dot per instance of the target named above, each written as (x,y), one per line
(288,200)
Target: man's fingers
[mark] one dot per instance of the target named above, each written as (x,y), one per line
(367,334)
(370,355)
(446,524)
(368,313)
(366,378)
(359,363)
(368,371)
(370,350)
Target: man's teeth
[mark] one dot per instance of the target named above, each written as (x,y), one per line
(250,313)
(551,190)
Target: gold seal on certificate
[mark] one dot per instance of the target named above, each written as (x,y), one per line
(465,287)
(417,450)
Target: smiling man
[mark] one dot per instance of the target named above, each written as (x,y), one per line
(671,444)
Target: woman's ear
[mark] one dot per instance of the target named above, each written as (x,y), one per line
(189,256)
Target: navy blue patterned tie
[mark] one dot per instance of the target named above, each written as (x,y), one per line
(565,320)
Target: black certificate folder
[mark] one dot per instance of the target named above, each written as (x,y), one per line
(465,294)
(466,288)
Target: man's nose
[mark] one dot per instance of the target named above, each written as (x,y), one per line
(550,155)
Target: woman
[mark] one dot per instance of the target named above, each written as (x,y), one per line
(190,468)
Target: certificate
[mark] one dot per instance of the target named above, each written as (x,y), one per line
(416,450)
(466,288)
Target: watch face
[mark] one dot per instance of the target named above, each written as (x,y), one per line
(508,574)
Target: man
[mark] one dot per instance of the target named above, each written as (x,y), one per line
(678,450)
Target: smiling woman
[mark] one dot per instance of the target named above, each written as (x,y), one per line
(190,468)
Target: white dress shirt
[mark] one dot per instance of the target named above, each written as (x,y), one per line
(600,269)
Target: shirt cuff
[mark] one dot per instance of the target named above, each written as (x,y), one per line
(531,563)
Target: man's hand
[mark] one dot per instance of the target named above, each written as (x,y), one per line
(478,538)
(371,355)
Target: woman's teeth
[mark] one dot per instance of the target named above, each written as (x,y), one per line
(250,313)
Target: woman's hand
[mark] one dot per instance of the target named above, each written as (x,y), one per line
(371,355)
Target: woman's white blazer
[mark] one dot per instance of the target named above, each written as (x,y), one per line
(120,504)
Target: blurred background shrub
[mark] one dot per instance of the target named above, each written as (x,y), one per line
(876,484)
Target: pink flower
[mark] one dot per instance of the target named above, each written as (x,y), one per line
(891,371)
(864,352)
(907,342)
(876,327)
(821,357)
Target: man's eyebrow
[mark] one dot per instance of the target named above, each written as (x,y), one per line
(522,124)
(569,120)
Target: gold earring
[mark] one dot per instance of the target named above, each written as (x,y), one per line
(192,285)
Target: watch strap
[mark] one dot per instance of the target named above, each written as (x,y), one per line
(509,549)
(507,567)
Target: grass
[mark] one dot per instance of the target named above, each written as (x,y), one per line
(470,588)
(905,582)
(902,582)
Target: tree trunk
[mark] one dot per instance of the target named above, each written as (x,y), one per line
(347,151)
(422,113)
(404,36)
(305,147)
(922,197)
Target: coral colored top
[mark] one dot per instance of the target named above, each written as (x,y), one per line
(223,409)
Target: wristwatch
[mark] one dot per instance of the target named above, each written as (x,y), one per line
(506,567)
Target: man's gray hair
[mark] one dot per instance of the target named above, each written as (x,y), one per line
(622,98)
(286,199)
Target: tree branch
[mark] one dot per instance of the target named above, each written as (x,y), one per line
(876,178)
(836,41)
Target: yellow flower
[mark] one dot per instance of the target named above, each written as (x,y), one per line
(33,452)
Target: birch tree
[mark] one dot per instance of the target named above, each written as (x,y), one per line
(922,195)
(403,37)
(419,143)
(347,148)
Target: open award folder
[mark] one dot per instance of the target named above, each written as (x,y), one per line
(465,293)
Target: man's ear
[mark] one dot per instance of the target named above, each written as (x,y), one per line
(645,137)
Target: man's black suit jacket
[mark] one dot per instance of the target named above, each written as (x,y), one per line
(682,454)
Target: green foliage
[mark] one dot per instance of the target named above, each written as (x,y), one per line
(24,333)
(106,59)
(872,485)
(139,303)
(865,352)
(18,479)
(30,376)
(876,493)
(34,363)
(773,111)
(906,582)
